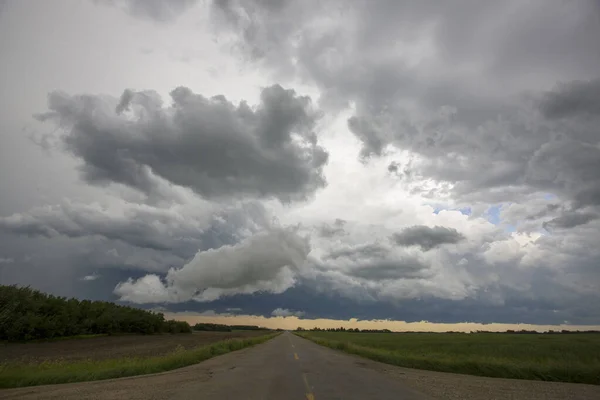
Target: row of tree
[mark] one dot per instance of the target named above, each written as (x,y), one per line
(342,329)
(211,327)
(203,326)
(523,331)
(533,332)
(27,314)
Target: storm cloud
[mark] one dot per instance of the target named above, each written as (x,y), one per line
(211,145)
(570,220)
(573,99)
(180,230)
(479,132)
(154,10)
(427,238)
(389,159)
(267,261)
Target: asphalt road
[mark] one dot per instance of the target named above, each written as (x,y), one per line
(286,367)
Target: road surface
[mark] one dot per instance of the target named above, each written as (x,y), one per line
(284,368)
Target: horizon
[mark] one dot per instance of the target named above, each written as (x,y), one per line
(291,323)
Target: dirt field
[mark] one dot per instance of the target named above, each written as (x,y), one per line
(106,347)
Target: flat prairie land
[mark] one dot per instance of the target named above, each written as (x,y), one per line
(107,357)
(548,357)
(111,347)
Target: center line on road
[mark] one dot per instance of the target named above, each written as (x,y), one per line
(296,356)
(309,394)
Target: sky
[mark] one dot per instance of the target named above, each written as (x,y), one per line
(370,160)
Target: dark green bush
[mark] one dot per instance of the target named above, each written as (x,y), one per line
(27,314)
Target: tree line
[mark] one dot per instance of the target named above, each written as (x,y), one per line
(509,331)
(205,326)
(27,314)
(342,329)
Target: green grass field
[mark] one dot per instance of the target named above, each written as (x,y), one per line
(561,357)
(29,374)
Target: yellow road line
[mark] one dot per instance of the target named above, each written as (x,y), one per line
(309,395)
(305,379)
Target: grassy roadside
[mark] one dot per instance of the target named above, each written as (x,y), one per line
(19,375)
(545,370)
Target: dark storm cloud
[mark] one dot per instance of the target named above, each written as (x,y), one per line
(573,99)
(570,220)
(156,10)
(571,163)
(80,222)
(372,250)
(58,266)
(568,166)
(472,129)
(589,195)
(518,308)
(372,262)
(549,208)
(331,230)
(556,36)
(211,145)
(391,269)
(177,232)
(427,238)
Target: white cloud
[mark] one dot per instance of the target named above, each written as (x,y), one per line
(147,289)
(266,262)
(284,312)
(89,278)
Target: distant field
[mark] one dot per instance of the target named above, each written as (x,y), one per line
(560,357)
(109,357)
(106,347)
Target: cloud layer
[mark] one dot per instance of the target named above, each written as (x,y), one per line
(211,146)
(450,87)
(154,10)
(390,159)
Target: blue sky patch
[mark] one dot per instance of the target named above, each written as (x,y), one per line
(493,214)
